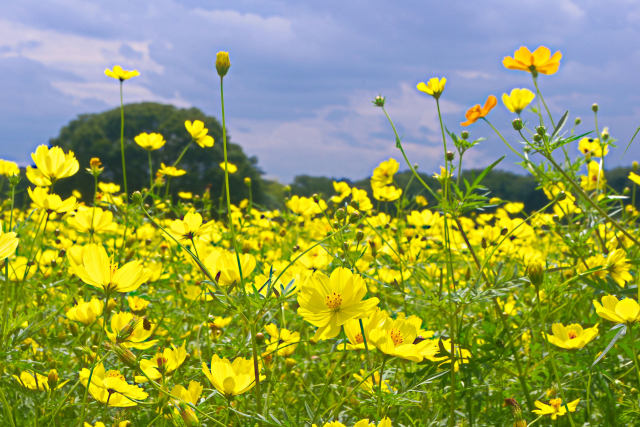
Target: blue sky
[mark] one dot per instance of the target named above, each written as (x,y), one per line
(303,74)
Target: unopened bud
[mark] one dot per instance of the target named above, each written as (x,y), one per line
(378,101)
(594,107)
(340,214)
(355,217)
(188,416)
(260,337)
(359,235)
(517,124)
(52,379)
(450,156)
(136,197)
(222,63)
(562,195)
(535,272)
(464,134)
(577,121)
(125,355)
(541,130)
(626,191)
(605,134)
(537,138)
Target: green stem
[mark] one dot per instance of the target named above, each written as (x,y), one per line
(124,167)
(540,97)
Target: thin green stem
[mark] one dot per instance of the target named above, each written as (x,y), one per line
(124,167)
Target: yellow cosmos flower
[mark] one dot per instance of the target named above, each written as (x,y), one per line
(136,303)
(383,173)
(119,74)
(591,147)
(353,331)
(372,383)
(400,337)
(162,363)
(571,337)
(224,264)
(108,187)
(52,164)
(150,141)
(170,170)
(96,269)
(634,177)
(476,112)
(191,394)
(595,178)
(187,228)
(555,407)
(8,243)
(199,133)
(86,312)
(50,202)
(131,331)
(186,195)
(517,100)
(92,220)
(36,381)
(342,189)
(222,63)
(231,378)
(282,341)
(540,61)
(329,302)
(388,193)
(434,87)
(111,388)
(232,168)
(625,311)
(9,168)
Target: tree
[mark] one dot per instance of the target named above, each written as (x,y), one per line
(98,135)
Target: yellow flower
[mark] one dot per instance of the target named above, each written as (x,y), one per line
(517,100)
(591,147)
(281,340)
(96,269)
(186,195)
(187,228)
(222,63)
(555,407)
(119,74)
(329,302)
(595,178)
(224,264)
(372,383)
(170,170)
(625,311)
(8,243)
(199,133)
(131,331)
(634,177)
(571,337)
(86,312)
(50,202)
(400,337)
(162,363)
(150,141)
(8,168)
(136,303)
(388,193)
(540,61)
(111,388)
(92,220)
(108,187)
(231,378)
(383,173)
(191,394)
(434,86)
(38,381)
(476,112)
(232,168)
(617,265)
(51,165)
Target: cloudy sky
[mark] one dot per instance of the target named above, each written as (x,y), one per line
(303,74)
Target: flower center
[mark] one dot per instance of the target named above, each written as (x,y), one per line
(359,339)
(572,335)
(396,337)
(556,403)
(333,301)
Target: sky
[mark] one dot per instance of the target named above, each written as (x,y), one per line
(303,73)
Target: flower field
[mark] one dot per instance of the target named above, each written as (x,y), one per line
(360,308)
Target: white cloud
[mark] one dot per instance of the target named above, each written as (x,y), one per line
(323,144)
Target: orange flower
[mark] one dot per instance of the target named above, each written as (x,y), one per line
(475,112)
(540,61)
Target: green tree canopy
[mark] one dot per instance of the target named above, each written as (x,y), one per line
(98,135)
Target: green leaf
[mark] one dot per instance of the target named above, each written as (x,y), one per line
(560,124)
(622,332)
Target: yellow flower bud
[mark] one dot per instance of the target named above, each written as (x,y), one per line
(222,63)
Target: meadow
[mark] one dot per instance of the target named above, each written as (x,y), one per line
(359,309)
